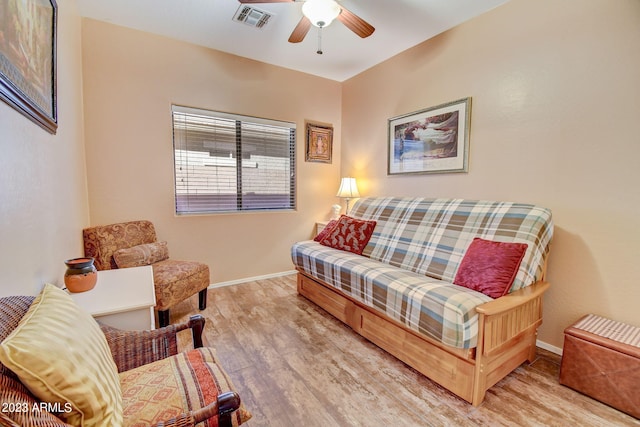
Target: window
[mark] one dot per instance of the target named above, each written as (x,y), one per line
(226,163)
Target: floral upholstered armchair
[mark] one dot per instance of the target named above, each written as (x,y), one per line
(59,367)
(133,244)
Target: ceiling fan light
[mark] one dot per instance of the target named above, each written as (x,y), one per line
(321,12)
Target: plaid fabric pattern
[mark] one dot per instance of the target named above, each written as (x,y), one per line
(431,236)
(408,266)
(440,310)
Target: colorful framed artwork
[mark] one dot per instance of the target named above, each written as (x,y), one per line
(28,59)
(319,143)
(433,140)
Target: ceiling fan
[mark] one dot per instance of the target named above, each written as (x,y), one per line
(321,13)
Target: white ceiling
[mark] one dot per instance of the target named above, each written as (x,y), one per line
(400,24)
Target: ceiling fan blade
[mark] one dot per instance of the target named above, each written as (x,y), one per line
(300,31)
(266,1)
(355,23)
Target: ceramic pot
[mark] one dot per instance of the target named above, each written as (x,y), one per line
(81,274)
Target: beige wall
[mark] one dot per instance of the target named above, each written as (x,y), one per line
(555,90)
(555,112)
(43,190)
(131,79)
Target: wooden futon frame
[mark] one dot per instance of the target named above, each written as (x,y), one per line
(506,337)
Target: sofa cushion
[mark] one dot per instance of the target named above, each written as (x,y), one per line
(59,352)
(490,267)
(349,234)
(139,255)
(187,381)
(430,236)
(432,307)
(176,281)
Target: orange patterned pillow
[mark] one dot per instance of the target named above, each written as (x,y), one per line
(178,384)
(349,234)
(140,255)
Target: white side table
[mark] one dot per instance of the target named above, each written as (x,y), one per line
(123,298)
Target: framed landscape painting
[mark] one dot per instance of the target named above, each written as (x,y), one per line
(433,140)
(28,59)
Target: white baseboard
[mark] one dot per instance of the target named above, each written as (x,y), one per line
(251,279)
(549,347)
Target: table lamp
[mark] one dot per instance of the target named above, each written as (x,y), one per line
(348,190)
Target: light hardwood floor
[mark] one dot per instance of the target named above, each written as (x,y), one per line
(295,365)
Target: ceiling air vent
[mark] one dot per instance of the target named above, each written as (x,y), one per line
(251,16)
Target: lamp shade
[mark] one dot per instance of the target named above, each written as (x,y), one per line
(348,188)
(321,12)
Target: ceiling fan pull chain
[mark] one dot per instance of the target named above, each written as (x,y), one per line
(319,51)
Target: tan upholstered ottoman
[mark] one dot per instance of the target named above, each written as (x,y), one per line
(601,358)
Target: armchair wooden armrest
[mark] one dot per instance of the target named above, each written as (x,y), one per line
(225,405)
(131,349)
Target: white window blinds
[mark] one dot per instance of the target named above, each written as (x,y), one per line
(226,162)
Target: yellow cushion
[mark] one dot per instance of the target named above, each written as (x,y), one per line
(59,353)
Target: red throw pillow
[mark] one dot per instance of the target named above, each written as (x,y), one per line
(349,234)
(490,267)
(326,230)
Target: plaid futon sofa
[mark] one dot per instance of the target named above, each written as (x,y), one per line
(407,269)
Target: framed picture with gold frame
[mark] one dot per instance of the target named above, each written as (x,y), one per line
(319,143)
(28,59)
